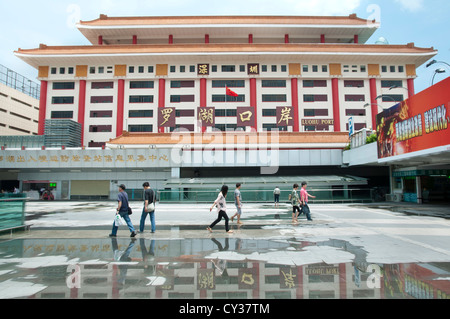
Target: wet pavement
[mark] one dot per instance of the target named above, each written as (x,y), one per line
(346,252)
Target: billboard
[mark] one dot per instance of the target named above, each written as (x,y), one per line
(418,123)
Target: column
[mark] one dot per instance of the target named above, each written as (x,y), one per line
(373,102)
(82,107)
(206,38)
(286,38)
(42,108)
(336,111)
(100,40)
(134,39)
(161,99)
(294,94)
(411,91)
(253,100)
(120,107)
(322,38)
(250,38)
(356,39)
(203,100)
(170,39)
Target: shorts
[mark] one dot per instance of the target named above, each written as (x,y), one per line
(239,210)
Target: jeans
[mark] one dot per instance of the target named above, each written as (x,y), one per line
(152,220)
(221,215)
(305,209)
(127,219)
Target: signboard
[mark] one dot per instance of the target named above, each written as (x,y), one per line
(418,123)
(351,126)
(317,122)
(285,116)
(245,116)
(206,116)
(166,117)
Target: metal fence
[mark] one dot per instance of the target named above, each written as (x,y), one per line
(19,82)
(331,195)
(12,210)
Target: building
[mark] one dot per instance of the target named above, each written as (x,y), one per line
(19,105)
(172,99)
(155,74)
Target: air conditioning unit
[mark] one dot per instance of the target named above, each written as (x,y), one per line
(396,197)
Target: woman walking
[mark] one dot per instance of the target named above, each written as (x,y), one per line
(221,205)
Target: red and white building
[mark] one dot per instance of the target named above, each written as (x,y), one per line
(156,74)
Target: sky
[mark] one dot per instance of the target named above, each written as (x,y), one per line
(27,23)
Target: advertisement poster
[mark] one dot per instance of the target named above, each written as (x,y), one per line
(418,123)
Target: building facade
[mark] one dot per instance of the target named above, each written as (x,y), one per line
(156,74)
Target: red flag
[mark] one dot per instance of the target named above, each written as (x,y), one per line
(231,93)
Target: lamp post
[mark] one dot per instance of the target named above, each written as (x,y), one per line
(434,61)
(436,72)
(401,87)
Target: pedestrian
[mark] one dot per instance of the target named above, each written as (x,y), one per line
(238,203)
(221,205)
(149,208)
(276,196)
(295,200)
(304,200)
(122,210)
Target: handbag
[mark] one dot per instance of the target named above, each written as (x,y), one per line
(130,211)
(118,220)
(151,206)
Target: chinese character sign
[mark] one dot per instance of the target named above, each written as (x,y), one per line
(206,116)
(245,116)
(253,68)
(285,116)
(166,117)
(203,69)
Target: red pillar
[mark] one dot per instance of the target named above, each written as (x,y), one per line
(203,102)
(82,107)
(286,38)
(336,114)
(355,38)
(322,38)
(170,39)
(206,38)
(411,91)
(134,39)
(294,94)
(373,102)
(120,107)
(42,107)
(161,98)
(253,100)
(100,40)
(250,38)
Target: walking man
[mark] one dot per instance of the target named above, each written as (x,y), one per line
(238,203)
(149,208)
(304,200)
(295,200)
(122,210)
(276,196)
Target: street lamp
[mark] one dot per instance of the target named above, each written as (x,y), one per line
(381,96)
(436,72)
(401,87)
(434,61)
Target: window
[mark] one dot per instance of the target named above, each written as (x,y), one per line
(273,83)
(384,68)
(101,99)
(150,69)
(131,69)
(101,69)
(101,114)
(229,83)
(305,68)
(392,68)
(274,97)
(141,69)
(141,99)
(182,68)
(70,70)
(53,71)
(141,84)
(324,68)
(62,100)
(354,83)
(315,112)
(182,98)
(274,68)
(355,112)
(269,112)
(223,113)
(355,97)
(315,68)
(92,70)
(102,85)
(274,127)
(62,114)
(242,68)
(182,84)
(192,68)
(63,85)
(214,68)
(264,68)
(392,97)
(315,98)
(62,70)
(226,98)
(284,68)
(184,113)
(140,113)
(401,69)
(314,83)
(391,83)
(100,128)
(172,69)
(228,68)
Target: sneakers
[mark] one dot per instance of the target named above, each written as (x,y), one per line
(133,234)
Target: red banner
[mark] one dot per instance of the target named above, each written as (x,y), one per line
(418,123)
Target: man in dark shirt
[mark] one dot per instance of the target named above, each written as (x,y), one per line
(149,208)
(122,210)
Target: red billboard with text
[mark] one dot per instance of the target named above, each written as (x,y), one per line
(418,123)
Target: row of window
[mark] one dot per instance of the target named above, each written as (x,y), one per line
(223,83)
(227,68)
(227,98)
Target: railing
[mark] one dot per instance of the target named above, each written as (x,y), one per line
(332,195)
(12,211)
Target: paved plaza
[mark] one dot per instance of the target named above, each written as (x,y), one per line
(348,251)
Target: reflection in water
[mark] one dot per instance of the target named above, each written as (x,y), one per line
(208,268)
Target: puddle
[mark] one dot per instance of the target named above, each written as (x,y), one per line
(209,268)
